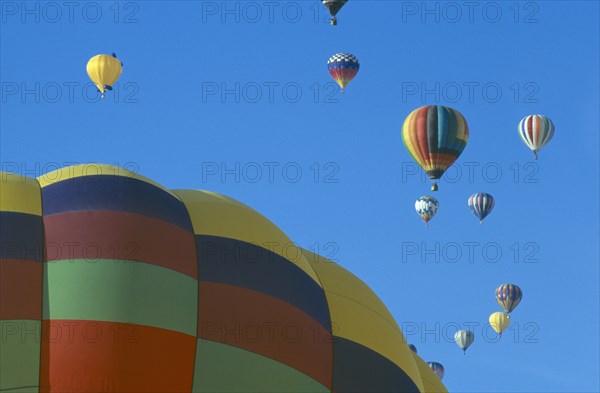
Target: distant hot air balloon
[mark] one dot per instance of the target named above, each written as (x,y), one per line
(499,321)
(481,205)
(508,297)
(536,131)
(426,207)
(412,348)
(464,338)
(437,368)
(104,70)
(435,136)
(334,6)
(343,67)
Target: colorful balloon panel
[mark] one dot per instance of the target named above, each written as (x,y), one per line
(343,67)
(21,277)
(536,131)
(435,136)
(121,258)
(508,297)
(133,287)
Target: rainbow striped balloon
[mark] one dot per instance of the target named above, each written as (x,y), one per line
(508,297)
(435,136)
(536,131)
(343,67)
(110,282)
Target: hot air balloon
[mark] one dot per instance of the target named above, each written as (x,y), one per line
(508,297)
(426,207)
(481,205)
(464,338)
(132,287)
(536,131)
(343,67)
(413,348)
(104,70)
(437,368)
(499,321)
(334,6)
(435,136)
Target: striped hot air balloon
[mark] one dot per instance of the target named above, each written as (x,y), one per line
(110,282)
(435,136)
(481,205)
(426,207)
(437,368)
(508,297)
(535,131)
(343,67)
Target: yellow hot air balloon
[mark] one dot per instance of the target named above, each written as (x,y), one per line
(499,322)
(104,70)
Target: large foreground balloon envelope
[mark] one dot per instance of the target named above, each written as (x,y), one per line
(437,368)
(499,321)
(508,297)
(535,131)
(334,6)
(343,67)
(481,205)
(132,287)
(464,338)
(426,207)
(104,70)
(435,136)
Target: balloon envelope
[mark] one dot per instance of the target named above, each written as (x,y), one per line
(333,6)
(435,136)
(158,290)
(437,368)
(535,131)
(104,70)
(426,207)
(481,205)
(508,297)
(499,321)
(343,67)
(464,338)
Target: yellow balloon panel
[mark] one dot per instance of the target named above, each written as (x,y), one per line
(20,194)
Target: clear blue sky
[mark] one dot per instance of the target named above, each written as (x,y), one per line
(168,123)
